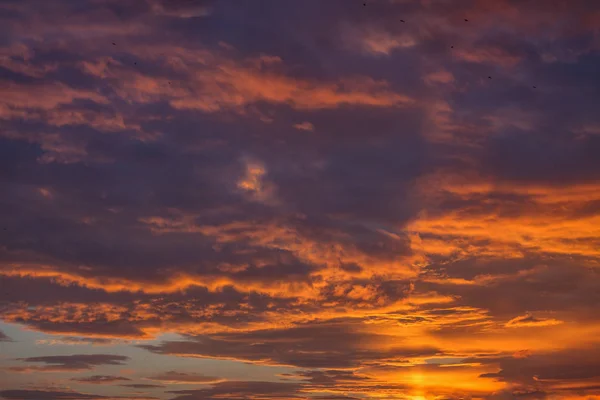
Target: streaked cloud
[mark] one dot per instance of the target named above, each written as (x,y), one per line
(25,394)
(529,320)
(175,377)
(74,362)
(101,379)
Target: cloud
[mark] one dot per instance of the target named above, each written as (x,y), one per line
(304,126)
(491,55)
(100,379)
(528,320)
(249,86)
(22,394)
(489,218)
(254,182)
(330,378)
(325,345)
(77,341)
(175,377)
(4,337)
(181,9)
(74,362)
(25,394)
(439,77)
(142,386)
(383,43)
(156,185)
(241,390)
(560,373)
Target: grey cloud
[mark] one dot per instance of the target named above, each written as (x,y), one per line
(240,390)
(4,337)
(76,362)
(100,379)
(34,394)
(318,345)
(143,386)
(23,394)
(182,377)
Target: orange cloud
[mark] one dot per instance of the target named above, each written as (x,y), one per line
(544,223)
(530,321)
(19,101)
(175,377)
(214,82)
(254,183)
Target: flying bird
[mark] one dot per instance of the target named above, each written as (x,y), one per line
(535,87)
(451,47)
(466,20)
(401,20)
(114,44)
(489,77)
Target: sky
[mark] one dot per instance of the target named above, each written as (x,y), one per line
(316,199)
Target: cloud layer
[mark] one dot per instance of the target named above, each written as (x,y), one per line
(321,200)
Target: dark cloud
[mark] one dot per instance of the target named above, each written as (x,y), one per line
(24,394)
(575,365)
(101,379)
(316,345)
(519,394)
(330,378)
(45,395)
(563,285)
(74,362)
(142,386)
(549,156)
(116,316)
(241,390)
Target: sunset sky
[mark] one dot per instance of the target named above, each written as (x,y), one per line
(299,199)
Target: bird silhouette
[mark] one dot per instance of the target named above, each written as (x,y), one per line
(401,20)
(451,47)
(535,87)
(114,44)
(489,77)
(466,20)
